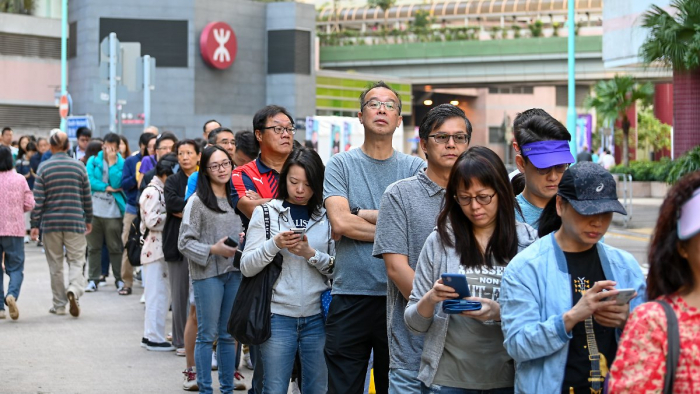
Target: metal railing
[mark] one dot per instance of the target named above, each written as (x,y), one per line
(626,195)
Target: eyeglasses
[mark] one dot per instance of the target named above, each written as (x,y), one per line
(482,199)
(559,168)
(444,138)
(216,166)
(168,148)
(280,129)
(375,104)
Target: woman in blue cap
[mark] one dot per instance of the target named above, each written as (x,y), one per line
(559,297)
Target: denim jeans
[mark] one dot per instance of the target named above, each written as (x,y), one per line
(13,247)
(289,334)
(214,298)
(437,389)
(403,381)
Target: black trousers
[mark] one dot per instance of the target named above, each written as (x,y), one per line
(355,326)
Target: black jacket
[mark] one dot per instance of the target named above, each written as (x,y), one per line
(174,189)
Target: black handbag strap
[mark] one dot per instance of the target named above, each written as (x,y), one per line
(266,214)
(674,346)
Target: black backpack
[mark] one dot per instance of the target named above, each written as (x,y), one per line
(135,242)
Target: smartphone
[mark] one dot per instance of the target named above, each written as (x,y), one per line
(298,230)
(624,296)
(457,282)
(231,242)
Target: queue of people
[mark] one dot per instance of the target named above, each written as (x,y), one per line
(483,288)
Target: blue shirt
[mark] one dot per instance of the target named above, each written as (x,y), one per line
(531,214)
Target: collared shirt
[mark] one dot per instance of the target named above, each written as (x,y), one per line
(407,215)
(62,194)
(254,176)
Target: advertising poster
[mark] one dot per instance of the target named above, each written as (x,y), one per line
(347,132)
(584,131)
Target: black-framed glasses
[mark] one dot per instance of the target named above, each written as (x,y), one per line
(482,199)
(376,104)
(559,168)
(280,129)
(216,166)
(443,138)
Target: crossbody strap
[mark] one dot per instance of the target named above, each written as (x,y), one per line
(674,346)
(266,214)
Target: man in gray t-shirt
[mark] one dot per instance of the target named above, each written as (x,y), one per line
(407,215)
(353,186)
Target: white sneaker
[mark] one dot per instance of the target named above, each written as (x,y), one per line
(143,298)
(247,361)
(2,313)
(214,363)
(190,383)
(91,287)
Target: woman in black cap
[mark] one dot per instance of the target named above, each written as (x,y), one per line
(566,298)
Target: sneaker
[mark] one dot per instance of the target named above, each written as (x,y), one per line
(190,383)
(74,306)
(58,311)
(2,313)
(137,275)
(247,361)
(91,287)
(160,346)
(12,305)
(238,381)
(39,244)
(143,298)
(27,239)
(144,342)
(214,363)
(180,352)
(120,285)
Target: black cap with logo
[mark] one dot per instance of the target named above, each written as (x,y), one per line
(590,189)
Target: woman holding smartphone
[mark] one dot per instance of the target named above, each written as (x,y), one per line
(296,320)
(477,236)
(207,222)
(561,318)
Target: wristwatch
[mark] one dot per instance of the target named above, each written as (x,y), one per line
(355,210)
(314,258)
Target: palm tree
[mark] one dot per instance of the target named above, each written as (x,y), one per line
(613,98)
(675,42)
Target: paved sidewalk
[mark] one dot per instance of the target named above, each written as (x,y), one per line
(99,352)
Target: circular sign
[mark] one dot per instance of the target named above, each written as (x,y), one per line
(64,106)
(218,45)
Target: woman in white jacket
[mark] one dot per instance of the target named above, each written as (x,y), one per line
(296,320)
(155,269)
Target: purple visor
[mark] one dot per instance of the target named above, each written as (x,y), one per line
(544,154)
(689,222)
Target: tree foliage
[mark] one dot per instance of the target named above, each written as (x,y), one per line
(673,40)
(651,133)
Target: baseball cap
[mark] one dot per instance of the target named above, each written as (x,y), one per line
(544,154)
(590,189)
(689,221)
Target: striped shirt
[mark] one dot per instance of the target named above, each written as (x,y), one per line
(62,194)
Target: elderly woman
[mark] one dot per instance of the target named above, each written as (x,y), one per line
(15,199)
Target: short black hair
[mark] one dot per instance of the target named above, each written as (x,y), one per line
(31,147)
(214,133)
(204,128)
(379,84)
(166,164)
(112,138)
(540,128)
(165,136)
(247,144)
(5,159)
(260,117)
(83,131)
(527,114)
(201,142)
(194,144)
(5,129)
(438,115)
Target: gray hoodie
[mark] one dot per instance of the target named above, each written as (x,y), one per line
(436,259)
(297,292)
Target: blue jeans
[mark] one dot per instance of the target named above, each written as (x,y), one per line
(289,334)
(13,247)
(214,298)
(403,381)
(437,389)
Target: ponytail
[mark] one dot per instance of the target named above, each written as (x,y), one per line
(549,220)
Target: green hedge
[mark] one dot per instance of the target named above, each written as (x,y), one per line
(664,170)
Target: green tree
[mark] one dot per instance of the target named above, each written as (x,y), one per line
(674,40)
(651,133)
(385,5)
(613,98)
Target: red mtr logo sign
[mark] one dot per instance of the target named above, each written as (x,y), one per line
(218,45)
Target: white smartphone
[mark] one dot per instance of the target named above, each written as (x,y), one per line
(624,296)
(298,230)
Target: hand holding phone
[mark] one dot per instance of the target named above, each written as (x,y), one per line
(231,242)
(457,282)
(298,230)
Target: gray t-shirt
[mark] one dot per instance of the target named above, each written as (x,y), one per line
(531,213)
(407,216)
(362,180)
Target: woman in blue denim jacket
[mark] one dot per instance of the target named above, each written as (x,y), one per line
(560,316)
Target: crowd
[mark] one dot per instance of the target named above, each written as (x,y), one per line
(444,274)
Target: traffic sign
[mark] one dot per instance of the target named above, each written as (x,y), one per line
(73,123)
(64,106)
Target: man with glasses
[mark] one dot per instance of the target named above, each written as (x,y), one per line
(542,155)
(353,186)
(407,215)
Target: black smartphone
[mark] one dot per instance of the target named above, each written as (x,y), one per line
(231,242)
